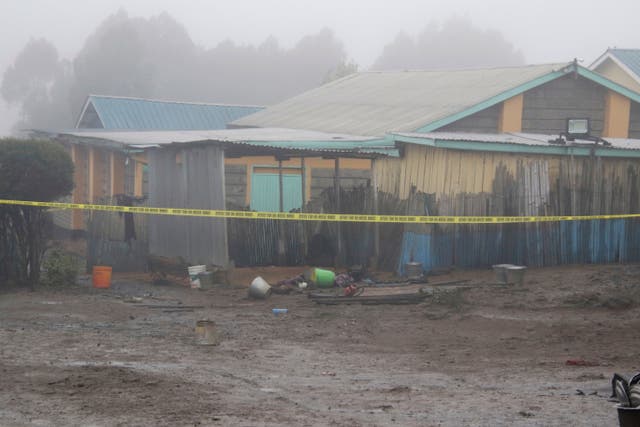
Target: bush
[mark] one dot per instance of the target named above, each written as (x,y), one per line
(60,269)
(29,170)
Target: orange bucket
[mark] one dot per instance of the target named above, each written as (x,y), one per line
(101,276)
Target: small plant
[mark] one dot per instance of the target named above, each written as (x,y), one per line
(60,269)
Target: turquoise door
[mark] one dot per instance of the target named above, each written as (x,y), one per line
(265,192)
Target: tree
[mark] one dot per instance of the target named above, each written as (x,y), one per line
(456,44)
(29,170)
(34,82)
(156,58)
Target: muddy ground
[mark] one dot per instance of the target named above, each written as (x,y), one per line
(481,356)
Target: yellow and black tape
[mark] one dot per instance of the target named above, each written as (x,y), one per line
(303,216)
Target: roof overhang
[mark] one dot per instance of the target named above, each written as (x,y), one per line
(520,143)
(236,142)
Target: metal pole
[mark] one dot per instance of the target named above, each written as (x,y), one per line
(336,189)
(280,186)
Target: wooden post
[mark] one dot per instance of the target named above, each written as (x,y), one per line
(137,183)
(117,174)
(336,190)
(281,226)
(80,180)
(376,225)
(303,176)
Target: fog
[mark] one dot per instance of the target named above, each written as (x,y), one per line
(317,40)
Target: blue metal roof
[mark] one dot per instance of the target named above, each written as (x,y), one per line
(109,112)
(629,57)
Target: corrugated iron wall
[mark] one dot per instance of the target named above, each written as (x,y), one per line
(451,182)
(189,178)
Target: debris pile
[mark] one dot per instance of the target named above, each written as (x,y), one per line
(346,287)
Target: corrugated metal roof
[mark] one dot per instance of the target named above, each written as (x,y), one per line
(374,103)
(531,139)
(630,58)
(135,113)
(286,139)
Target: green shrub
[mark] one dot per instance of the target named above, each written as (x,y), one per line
(60,269)
(29,170)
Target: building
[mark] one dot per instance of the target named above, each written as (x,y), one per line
(102,173)
(493,142)
(620,65)
(544,140)
(282,170)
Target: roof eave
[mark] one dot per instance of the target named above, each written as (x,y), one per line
(508,148)
(609,84)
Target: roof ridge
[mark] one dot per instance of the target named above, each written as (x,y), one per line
(166,101)
(453,70)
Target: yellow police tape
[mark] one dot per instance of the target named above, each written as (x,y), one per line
(300,216)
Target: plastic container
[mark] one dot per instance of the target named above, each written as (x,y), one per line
(509,274)
(278,311)
(323,278)
(259,288)
(194,271)
(515,274)
(101,277)
(206,280)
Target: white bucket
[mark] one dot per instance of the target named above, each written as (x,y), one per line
(259,288)
(194,270)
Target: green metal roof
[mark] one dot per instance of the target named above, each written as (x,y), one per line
(111,112)
(629,57)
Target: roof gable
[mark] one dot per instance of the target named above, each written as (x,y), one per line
(373,103)
(627,59)
(110,112)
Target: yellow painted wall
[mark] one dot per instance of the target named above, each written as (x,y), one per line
(511,114)
(269,161)
(616,115)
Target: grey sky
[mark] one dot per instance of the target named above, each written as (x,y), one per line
(545,30)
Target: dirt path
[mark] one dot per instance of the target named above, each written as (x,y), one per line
(485,356)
